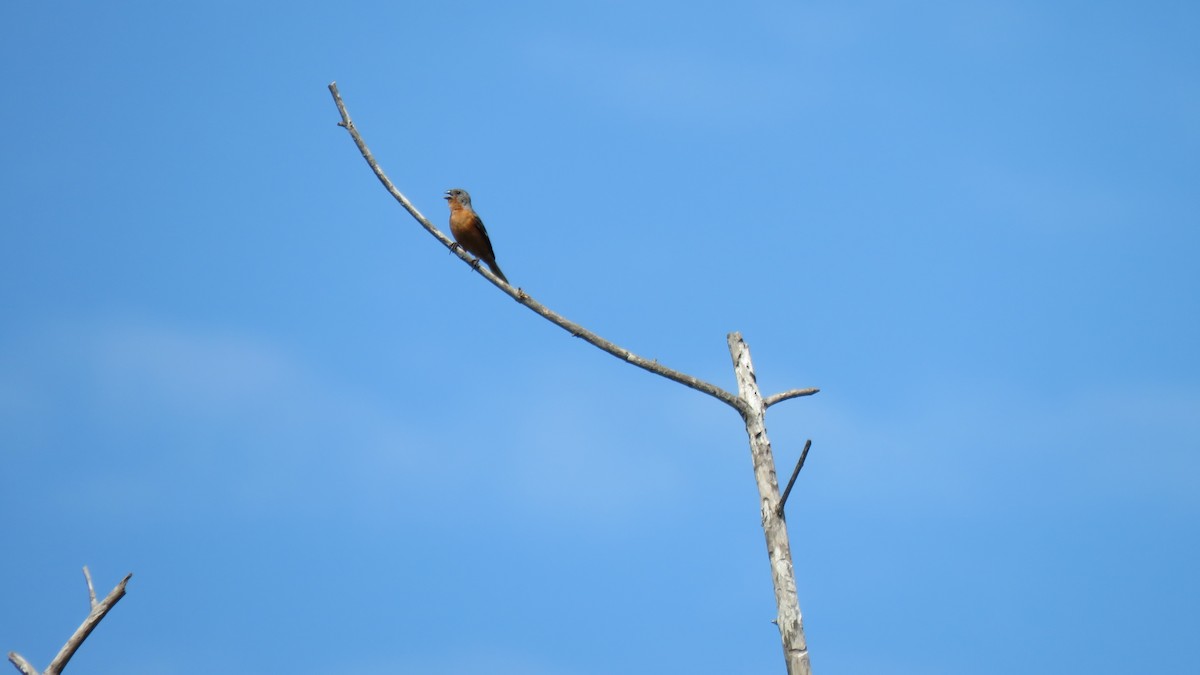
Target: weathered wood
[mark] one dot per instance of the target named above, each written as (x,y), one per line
(22,665)
(99,610)
(783,575)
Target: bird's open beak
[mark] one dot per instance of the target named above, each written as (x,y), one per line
(448,195)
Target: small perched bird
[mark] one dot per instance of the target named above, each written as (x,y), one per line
(468,230)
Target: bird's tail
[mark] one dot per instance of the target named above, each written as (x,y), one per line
(496,270)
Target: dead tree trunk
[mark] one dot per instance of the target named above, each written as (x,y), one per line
(749,403)
(783,575)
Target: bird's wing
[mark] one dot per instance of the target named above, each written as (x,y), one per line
(487,241)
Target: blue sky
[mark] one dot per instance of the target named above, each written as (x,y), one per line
(231,364)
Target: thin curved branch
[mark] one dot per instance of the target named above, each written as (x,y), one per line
(785,395)
(520,295)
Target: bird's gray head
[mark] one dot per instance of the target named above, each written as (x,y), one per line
(459,195)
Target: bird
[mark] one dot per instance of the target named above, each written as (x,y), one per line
(468,230)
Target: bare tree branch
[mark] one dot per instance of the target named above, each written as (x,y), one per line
(99,610)
(520,295)
(785,395)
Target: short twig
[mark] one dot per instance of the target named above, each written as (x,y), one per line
(91,591)
(792,481)
(785,395)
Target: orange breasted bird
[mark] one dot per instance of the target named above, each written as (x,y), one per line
(468,230)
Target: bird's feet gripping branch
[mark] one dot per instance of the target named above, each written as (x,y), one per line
(469,232)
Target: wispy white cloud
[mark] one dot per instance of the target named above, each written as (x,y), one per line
(147,413)
(188,420)
(204,420)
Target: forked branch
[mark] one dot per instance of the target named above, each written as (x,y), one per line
(99,610)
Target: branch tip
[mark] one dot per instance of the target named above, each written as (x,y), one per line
(22,665)
(91,590)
